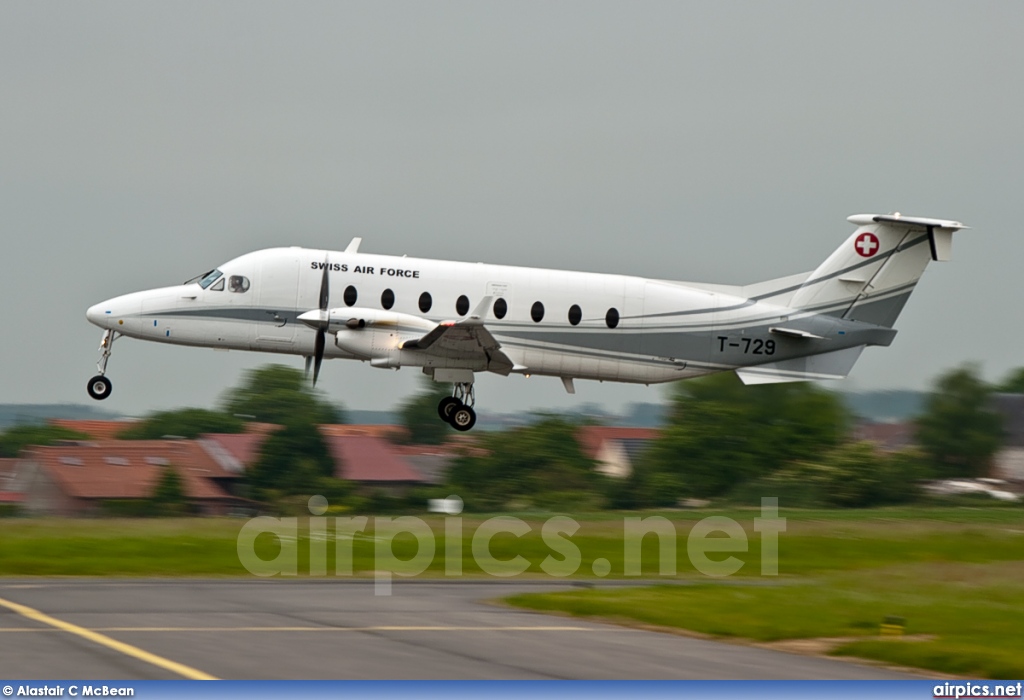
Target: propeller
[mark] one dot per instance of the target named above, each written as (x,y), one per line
(322,322)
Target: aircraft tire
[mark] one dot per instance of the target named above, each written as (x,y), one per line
(446,406)
(99,387)
(463,418)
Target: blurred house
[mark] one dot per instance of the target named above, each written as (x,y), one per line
(1008,463)
(372,462)
(431,461)
(95,429)
(8,495)
(385,432)
(615,449)
(362,455)
(78,478)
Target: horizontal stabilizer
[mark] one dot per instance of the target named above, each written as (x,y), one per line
(829,365)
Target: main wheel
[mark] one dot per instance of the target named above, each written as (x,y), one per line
(99,387)
(463,418)
(445,408)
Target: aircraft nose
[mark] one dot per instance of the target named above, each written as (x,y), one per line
(98,314)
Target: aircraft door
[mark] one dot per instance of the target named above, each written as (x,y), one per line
(275,314)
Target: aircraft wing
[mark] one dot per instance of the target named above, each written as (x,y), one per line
(464,338)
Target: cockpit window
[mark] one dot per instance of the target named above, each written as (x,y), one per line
(218,286)
(238,284)
(206,279)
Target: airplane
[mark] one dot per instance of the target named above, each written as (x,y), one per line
(456,319)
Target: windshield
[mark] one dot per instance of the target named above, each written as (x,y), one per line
(206,279)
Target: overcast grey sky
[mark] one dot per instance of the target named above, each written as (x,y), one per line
(143,143)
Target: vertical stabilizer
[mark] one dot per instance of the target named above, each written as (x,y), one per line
(871,275)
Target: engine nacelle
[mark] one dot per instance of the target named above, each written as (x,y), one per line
(373,333)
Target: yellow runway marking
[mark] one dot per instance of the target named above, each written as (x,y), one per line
(126,649)
(379,628)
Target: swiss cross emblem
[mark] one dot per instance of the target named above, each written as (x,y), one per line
(866,244)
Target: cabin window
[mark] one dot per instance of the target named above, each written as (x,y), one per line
(350,295)
(218,286)
(426,301)
(612,317)
(238,284)
(575,314)
(387,299)
(500,307)
(537,312)
(462,305)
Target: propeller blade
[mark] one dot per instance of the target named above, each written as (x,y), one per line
(309,363)
(319,354)
(325,287)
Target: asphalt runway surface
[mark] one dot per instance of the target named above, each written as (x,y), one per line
(312,629)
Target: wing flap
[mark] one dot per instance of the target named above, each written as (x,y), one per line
(464,338)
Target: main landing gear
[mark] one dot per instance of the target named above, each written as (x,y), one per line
(99,387)
(457,410)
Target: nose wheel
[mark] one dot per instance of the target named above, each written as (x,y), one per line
(457,410)
(99,387)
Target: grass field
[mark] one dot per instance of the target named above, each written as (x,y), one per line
(814,541)
(956,575)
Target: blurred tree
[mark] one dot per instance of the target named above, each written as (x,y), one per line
(958,430)
(185,422)
(722,433)
(14,440)
(169,495)
(281,395)
(541,465)
(419,414)
(853,475)
(292,460)
(1014,382)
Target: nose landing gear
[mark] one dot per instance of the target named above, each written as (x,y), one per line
(457,410)
(99,387)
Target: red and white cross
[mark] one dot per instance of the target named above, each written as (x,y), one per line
(866,244)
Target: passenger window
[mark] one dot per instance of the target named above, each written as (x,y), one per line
(537,312)
(500,307)
(387,299)
(575,314)
(238,284)
(350,295)
(219,287)
(426,302)
(462,305)
(612,317)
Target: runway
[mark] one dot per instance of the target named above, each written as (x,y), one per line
(312,629)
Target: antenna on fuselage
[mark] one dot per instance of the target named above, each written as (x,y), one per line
(353,246)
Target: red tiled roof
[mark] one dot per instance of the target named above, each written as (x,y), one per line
(244,447)
(386,432)
(370,459)
(128,469)
(95,429)
(591,437)
(8,497)
(7,467)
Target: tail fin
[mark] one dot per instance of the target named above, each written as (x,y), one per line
(870,276)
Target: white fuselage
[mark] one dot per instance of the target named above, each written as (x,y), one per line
(454,319)
(282,283)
